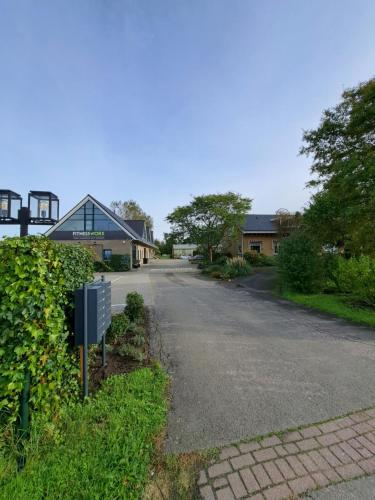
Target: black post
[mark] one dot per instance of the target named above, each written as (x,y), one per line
(85,343)
(104,362)
(24,218)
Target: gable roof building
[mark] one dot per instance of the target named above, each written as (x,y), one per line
(92,224)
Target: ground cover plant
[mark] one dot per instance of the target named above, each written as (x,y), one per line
(338,305)
(102,448)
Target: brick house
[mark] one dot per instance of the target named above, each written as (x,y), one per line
(95,226)
(260,234)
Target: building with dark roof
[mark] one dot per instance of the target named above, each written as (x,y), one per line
(260,234)
(92,224)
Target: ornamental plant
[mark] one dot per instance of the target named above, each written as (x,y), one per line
(37,278)
(134,306)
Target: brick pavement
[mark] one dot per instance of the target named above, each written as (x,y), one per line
(288,465)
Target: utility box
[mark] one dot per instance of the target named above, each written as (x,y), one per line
(98,312)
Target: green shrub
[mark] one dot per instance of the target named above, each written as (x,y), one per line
(101,267)
(259,259)
(119,263)
(216,274)
(134,306)
(37,278)
(119,326)
(131,351)
(356,277)
(299,263)
(236,267)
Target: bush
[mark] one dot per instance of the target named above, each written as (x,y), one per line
(119,326)
(299,263)
(130,351)
(356,276)
(119,263)
(101,267)
(236,267)
(259,259)
(134,306)
(37,278)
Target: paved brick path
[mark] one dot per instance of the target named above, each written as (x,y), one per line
(284,467)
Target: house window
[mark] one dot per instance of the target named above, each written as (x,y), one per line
(107,254)
(275,246)
(255,246)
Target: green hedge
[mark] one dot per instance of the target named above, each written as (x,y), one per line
(37,278)
(117,263)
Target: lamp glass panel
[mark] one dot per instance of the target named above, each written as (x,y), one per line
(54,209)
(4,208)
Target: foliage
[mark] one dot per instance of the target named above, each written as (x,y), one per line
(334,304)
(166,246)
(343,152)
(299,263)
(131,210)
(102,448)
(356,277)
(236,267)
(210,220)
(119,263)
(134,306)
(259,259)
(101,267)
(229,268)
(37,278)
(131,351)
(119,326)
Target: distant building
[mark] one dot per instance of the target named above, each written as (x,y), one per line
(183,249)
(260,234)
(95,226)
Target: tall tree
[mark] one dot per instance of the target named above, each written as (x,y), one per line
(343,152)
(131,210)
(210,220)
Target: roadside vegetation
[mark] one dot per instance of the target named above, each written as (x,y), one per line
(226,268)
(102,448)
(57,446)
(328,260)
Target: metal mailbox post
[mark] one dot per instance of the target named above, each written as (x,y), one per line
(92,317)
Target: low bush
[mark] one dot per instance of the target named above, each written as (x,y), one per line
(119,326)
(119,263)
(134,306)
(236,267)
(299,263)
(259,259)
(356,277)
(131,351)
(37,280)
(101,267)
(102,448)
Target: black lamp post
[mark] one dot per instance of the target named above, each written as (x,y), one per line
(42,209)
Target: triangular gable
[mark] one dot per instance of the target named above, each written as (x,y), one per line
(106,213)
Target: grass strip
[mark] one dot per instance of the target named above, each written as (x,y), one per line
(334,304)
(102,448)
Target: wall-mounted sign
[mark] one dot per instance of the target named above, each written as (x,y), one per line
(88,235)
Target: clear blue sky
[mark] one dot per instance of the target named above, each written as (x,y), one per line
(159,100)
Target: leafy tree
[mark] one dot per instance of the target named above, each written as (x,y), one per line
(166,246)
(131,210)
(210,220)
(299,263)
(343,152)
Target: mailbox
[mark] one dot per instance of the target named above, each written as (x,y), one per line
(98,314)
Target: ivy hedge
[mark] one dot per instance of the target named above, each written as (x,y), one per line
(37,278)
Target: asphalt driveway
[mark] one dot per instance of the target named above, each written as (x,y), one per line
(244,363)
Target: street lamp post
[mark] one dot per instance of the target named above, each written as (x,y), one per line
(42,209)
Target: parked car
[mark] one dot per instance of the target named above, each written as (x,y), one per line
(184,257)
(196,258)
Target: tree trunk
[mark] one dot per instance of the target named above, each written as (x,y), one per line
(210,254)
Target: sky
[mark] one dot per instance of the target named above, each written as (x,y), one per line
(162,100)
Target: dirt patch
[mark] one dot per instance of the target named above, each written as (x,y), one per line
(117,364)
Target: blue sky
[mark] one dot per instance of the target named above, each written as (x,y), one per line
(159,100)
